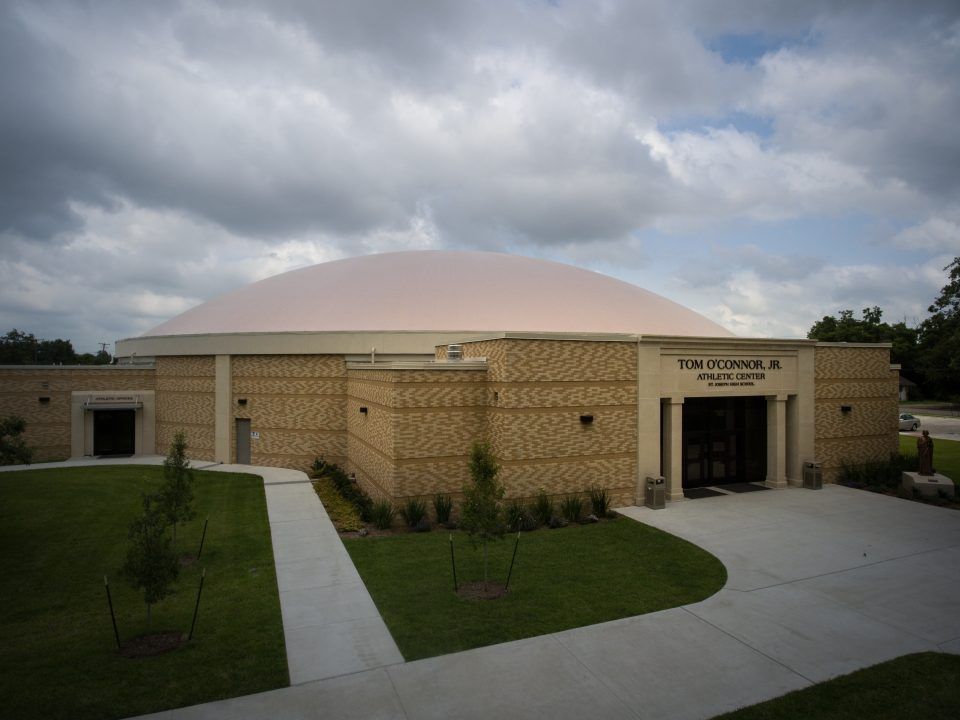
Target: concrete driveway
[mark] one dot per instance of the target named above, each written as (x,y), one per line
(820,583)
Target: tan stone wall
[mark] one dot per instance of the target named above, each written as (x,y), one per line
(296,402)
(861,378)
(48,425)
(185,401)
(537,391)
(415,437)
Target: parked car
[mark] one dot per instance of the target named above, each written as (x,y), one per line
(909,422)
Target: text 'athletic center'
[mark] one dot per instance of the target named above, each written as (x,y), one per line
(393,365)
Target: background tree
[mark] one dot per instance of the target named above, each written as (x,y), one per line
(939,339)
(23,348)
(13,450)
(870,329)
(151,564)
(480,514)
(176,494)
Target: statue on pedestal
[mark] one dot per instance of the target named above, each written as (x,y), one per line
(925,453)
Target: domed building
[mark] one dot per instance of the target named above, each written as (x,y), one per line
(392,365)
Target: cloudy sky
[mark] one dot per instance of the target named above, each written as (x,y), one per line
(763,163)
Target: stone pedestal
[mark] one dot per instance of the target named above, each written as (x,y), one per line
(928,485)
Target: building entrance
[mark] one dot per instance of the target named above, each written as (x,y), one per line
(114,432)
(724,440)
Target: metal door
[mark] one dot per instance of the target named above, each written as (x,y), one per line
(243,441)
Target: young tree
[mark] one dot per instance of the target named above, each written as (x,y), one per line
(151,563)
(13,450)
(176,494)
(480,514)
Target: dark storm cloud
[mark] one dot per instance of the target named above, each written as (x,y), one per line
(154,154)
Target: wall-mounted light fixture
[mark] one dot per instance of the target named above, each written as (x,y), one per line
(845,409)
(586,419)
(242,401)
(363,410)
(44,400)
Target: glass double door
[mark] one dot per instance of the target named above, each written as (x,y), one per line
(724,440)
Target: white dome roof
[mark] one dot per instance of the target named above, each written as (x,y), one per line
(441,291)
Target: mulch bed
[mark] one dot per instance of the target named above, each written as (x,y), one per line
(481,590)
(153,644)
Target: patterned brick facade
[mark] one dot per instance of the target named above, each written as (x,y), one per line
(297,404)
(48,423)
(416,433)
(860,378)
(537,392)
(185,401)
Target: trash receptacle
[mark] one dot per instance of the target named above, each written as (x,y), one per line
(812,475)
(655,494)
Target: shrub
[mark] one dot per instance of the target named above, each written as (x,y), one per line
(599,501)
(13,450)
(518,517)
(571,507)
(319,467)
(542,509)
(343,513)
(348,489)
(382,514)
(877,474)
(442,505)
(413,511)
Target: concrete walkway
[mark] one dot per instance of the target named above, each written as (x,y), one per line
(330,623)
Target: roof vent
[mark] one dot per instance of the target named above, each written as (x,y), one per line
(454,352)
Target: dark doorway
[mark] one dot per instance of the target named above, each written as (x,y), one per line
(243,441)
(114,432)
(724,440)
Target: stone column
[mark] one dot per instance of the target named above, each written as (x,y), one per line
(673,446)
(776,441)
(223,410)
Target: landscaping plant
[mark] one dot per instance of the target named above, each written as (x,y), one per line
(542,508)
(571,508)
(13,450)
(382,514)
(175,496)
(413,511)
(151,564)
(518,517)
(442,505)
(480,512)
(599,501)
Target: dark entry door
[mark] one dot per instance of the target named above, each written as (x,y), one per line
(724,440)
(243,441)
(114,432)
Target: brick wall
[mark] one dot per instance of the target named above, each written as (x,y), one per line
(185,401)
(861,378)
(48,424)
(537,391)
(296,402)
(415,437)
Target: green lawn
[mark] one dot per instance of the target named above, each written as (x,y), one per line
(563,579)
(946,455)
(907,688)
(62,530)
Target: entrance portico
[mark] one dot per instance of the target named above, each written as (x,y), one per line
(733,411)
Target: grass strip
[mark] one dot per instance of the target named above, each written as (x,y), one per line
(563,579)
(62,530)
(922,685)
